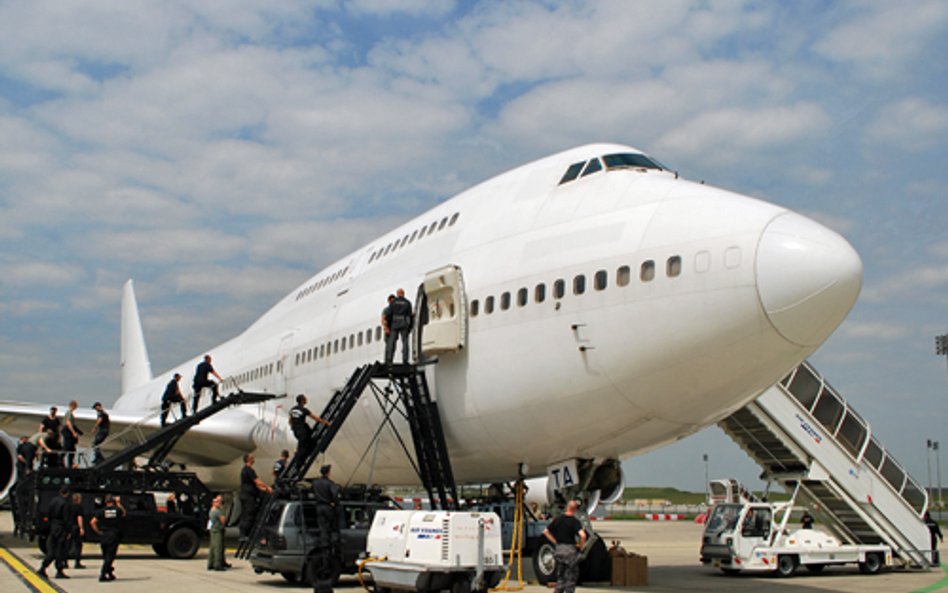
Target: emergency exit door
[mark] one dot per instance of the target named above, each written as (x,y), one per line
(441,325)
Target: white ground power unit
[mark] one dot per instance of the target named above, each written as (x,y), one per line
(435,550)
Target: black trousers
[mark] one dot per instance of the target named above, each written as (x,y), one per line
(166,408)
(198,389)
(57,547)
(248,512)
(69,446)
(109,545)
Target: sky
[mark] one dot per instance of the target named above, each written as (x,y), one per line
(220,153)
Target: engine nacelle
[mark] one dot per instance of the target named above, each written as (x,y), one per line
(605,487)
(7,464)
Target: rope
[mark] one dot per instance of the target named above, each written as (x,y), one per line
(516,546)
(362,564)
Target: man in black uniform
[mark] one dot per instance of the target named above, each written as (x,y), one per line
(51,423)
(298,415)
(250,488)
(806,521)
(77,530)
(57,543)
(935,530)
(107,522)
(397,320)
(280,464)
(201,380)
(100,431)
(326,493)
(563,533)
(172,395)
(25,454)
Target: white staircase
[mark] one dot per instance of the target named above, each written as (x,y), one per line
(800,431)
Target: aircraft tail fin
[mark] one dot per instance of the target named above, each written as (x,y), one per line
(136,368)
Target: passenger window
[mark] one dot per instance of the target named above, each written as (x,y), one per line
(368,336)
(378,333)
(475,305)
(702,262)
(522,297)
(413,235)
(579,284)
(359,338)
(454,219)
(444,222)
(431,229)
(572,173)
(322,351)
(673,267)
(489,305)
(297,363)
(343,345)
(647,273)
(623,276)
(505,301)
(539,293)
(559,288)
(591,167)
(601,280)
(335,346)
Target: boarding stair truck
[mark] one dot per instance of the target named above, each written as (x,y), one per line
(753,537)
(435,551)
(810,440)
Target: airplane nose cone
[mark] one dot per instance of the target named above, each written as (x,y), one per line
(808,278)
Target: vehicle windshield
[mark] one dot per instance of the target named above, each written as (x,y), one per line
(723,518)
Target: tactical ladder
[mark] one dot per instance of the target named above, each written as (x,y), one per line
(410,389)
(163,440)
(801,432)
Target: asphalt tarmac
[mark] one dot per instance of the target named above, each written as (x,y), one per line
(671,548)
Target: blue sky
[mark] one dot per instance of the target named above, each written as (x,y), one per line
(221,152)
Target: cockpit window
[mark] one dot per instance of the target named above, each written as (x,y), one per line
(591,167)
(572,173)
(627,160)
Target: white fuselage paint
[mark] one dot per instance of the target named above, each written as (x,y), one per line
(661,358)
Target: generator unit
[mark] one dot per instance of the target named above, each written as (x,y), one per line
(435,550)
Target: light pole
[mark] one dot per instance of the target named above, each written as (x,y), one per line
(707,473)
(928,460)
(938,473)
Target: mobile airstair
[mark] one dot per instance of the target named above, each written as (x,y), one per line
(801,431)
(399,388)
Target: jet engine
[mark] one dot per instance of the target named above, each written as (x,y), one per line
(604,484)
(7,464)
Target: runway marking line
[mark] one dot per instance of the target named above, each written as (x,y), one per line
(26,574)
(936,586)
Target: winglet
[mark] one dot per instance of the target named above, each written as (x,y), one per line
(136,368)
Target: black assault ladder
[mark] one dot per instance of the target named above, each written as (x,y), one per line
(431,452)
(164,440)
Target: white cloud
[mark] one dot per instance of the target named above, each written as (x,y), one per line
(875,330)
(38,273)
(431,8)
(911,124)
(917,281)
(884,37)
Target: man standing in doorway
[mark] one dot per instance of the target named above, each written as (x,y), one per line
(71,434)
(171,396)
(567,534)
(202,380)
(397,321)
(250,488)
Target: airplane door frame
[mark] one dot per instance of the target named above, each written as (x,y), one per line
(441,307)
(283,355)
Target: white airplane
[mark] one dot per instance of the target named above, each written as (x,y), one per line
(584,308)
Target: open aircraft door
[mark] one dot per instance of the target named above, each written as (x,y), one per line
(441,319)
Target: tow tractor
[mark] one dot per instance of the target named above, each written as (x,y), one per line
(749,537)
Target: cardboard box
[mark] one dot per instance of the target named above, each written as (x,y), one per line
(628,569)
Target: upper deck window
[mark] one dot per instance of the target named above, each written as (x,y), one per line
(630,160)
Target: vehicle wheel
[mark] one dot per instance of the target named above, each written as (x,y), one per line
(183,543)
(161,549)
(815,568)
(290,577)
(318,570)
(544,563)
(731,572)
(786,566)
(872,565)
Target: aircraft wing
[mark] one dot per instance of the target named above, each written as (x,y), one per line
(218,440)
